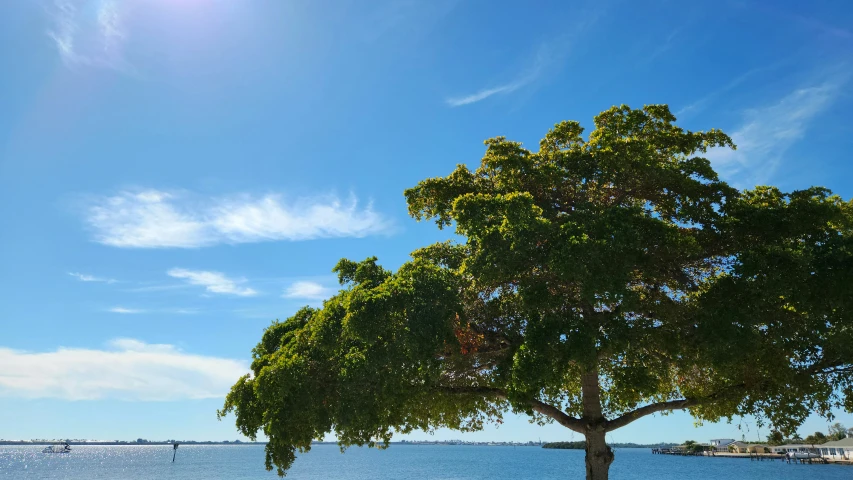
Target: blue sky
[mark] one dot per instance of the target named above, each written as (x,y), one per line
(175,174)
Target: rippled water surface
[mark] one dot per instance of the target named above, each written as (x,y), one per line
(398,462)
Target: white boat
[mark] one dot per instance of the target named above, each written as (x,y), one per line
(57,448)
(803,455)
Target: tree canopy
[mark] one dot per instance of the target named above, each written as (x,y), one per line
(775,438)
(816,438)
(599,280)
(837,431)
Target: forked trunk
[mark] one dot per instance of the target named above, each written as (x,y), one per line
(598,456)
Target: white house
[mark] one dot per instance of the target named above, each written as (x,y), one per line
(737,447)
(721,444)
(758,448)
(837,450)
(793,448)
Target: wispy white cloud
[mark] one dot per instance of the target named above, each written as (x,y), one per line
(307,290)
(87,39)
(159,288)
(111,27)
(91,278)
(664,46)
(826,28)
(488,92)
(702,103)
(214,282)
(544,58)
(124,310)
(127,369)
(65,28)
(174,311)
(768,132)
(547,57)
(158,219)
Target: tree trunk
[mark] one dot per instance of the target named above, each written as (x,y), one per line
(598,456)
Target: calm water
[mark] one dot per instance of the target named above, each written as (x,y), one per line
(399,462)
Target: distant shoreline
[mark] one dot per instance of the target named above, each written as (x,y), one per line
(238,443)
(116,444)
(582,445)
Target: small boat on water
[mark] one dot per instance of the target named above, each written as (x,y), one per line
(57,448)
(804,455)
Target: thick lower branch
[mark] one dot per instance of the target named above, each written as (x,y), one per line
(647,410)
(668,406)
(818,368)
(543,408)
(571,423)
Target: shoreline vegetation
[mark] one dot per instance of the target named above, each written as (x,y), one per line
(551,445)
(580,445)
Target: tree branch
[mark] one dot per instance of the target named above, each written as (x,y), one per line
(824,367)
(681,404)
(641,412)
(572,423)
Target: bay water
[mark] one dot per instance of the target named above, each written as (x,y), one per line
(433,462)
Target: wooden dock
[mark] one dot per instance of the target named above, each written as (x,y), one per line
(755,457)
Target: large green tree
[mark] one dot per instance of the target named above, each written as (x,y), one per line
(599,280)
